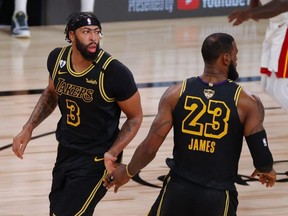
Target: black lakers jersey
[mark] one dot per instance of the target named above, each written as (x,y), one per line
(88,100)
(208,133)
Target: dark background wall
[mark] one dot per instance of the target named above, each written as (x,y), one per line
(34,10)
(51,12)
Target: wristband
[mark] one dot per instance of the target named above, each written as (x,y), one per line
(258,146)
(127,172)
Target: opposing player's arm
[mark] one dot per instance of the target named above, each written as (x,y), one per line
(257,11)
(254,3)
(271,9)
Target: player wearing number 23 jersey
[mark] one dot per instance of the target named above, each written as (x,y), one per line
(207,133)
(210,114)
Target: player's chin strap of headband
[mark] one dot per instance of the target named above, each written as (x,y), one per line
(258,146)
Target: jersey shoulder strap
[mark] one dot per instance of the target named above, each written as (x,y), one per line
(58,61)
(103,60)
(237,91)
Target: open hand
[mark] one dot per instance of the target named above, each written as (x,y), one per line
(265,178)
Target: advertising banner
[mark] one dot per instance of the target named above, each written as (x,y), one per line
(129,10)
(124,10)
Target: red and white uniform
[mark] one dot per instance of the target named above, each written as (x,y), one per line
(275,46)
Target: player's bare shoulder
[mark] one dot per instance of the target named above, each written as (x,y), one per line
(172,94)
(174,89)
(249,96)
(250,104)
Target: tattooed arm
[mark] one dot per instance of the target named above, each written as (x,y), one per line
(147,150)
(44,107)
(160,127)
(133,111)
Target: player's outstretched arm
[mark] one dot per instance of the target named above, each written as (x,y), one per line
(147,150)
(256,11)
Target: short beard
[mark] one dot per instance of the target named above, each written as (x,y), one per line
(84,52)
(232,72)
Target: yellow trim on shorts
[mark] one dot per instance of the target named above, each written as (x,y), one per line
(227,202)
(91,196)
(160,205)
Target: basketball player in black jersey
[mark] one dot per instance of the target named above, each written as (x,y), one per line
(91,89)
(210,114)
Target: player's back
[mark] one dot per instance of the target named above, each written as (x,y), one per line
(208,133)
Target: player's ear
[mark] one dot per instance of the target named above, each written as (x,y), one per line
(72,35)
(226,59)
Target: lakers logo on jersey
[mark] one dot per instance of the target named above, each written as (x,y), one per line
(209,93)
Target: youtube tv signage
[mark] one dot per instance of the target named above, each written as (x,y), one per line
(188,5)
(165,9)
(128,10)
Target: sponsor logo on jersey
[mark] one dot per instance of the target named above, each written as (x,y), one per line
(62,72)
(91,81)
(96,159)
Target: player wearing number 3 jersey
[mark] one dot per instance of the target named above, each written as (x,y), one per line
(209,114)
(91,89)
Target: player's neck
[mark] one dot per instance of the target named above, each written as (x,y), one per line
(79,63)
(213,76)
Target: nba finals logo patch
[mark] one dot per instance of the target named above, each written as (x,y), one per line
(209,93)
